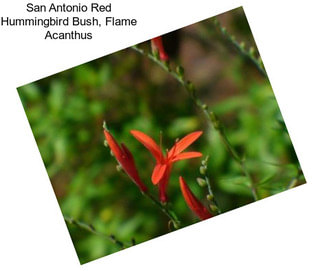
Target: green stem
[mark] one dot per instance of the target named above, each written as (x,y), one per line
(216,124)
(241,49)
(210,191)
(91,229)
(211,196)
(168,212)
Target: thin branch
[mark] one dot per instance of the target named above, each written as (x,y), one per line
(206,181)
(214,119)
(166,210)
(90,228)
(249,54)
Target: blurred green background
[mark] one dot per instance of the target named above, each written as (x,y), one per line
(128,91)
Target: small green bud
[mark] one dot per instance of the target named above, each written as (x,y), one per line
(111,153)
(214,120)
(251,51)
(205,161)
(180,71)
(190,87)
(213,208)
(105,143)
(201,182)
(203,170)
(105,127)
(119,168)
(204,106)
(210,197)
(242,45)
(155,54)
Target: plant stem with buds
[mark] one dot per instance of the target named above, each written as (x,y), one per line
(90,228)
(168,212)
(249,54)
(210,197)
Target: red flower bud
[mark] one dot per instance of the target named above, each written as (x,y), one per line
(125,159)
(193,203)
(157,45)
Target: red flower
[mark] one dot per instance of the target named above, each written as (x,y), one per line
(193,203)
(157,45)
(125,159)
(161,172)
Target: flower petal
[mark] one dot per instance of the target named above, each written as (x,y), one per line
(125,159)
(193,203)
(186,155)
(115,148)
(162,186)
(127,154)
(150,144)
(129,167)
(184,143)
(158,173)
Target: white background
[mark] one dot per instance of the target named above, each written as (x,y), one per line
(283,232)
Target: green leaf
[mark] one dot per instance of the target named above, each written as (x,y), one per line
(236,185)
